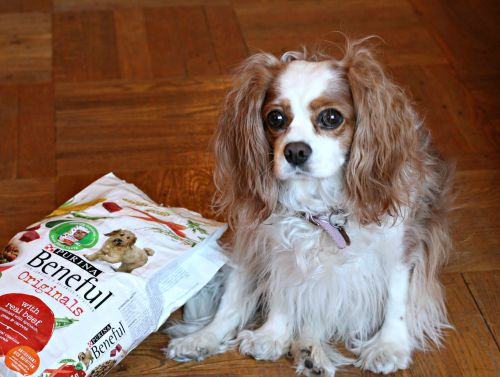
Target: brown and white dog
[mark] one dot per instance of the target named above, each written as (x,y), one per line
(338,203)
(120,247)
(86,358)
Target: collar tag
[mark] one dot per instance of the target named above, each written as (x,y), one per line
(337,233)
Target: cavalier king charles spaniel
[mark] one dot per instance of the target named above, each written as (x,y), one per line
(338,203)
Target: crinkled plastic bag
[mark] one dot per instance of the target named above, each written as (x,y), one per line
(88,283)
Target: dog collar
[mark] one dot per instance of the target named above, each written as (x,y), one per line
(333,228)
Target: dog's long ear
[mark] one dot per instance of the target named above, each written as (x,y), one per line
(383,163)
(246,188)
(112,233)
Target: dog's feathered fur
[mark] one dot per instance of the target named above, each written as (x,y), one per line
(381,295)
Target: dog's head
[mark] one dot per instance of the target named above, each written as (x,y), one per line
(85,356)
(315,118)
(121,237)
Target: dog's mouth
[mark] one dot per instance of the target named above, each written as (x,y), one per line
(300,173)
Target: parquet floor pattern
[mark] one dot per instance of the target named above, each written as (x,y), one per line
(135,86)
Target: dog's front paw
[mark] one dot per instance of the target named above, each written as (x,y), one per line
(262,344)
(384,356)
(196,346)
(313,359)
(308,366)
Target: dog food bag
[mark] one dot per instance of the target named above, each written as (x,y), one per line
(84,286)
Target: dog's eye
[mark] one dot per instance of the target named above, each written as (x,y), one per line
(276,119)
(121,235)
(330,119)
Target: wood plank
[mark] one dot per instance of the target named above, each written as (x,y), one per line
(23,202)
(449,109)
(36,127)
(480,161)
(195,40)
(190,188)
(476,216)
(18,6)
(466,32)
(484,288)
(478,189)
(85,46)
(484,89)
(164,45)
(475,248)
(25,47)
(471,344)
(311,23)
(84,5)
(134,125)
(132,44)
(230,47)
(9,112)
(27,131)
(70,61)
(100,45)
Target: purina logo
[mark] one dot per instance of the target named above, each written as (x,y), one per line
(74,236)
(99,335)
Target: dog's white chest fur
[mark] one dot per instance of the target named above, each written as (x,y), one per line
(342,290)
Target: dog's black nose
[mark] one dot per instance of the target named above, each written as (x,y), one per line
(117,241)
(297,153)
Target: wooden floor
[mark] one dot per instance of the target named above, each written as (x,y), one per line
(134,87)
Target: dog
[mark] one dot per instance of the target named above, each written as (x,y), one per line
(120,247)
(338,206)
(86,358)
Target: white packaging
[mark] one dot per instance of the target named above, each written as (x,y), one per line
(96,277)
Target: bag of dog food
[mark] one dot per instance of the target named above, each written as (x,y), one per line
(84,286)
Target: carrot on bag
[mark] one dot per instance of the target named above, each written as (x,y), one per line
(176,228)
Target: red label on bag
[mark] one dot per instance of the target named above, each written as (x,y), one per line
(24,321)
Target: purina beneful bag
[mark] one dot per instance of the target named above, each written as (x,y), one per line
(84,286)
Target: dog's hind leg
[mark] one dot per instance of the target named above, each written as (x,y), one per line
(237,306)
